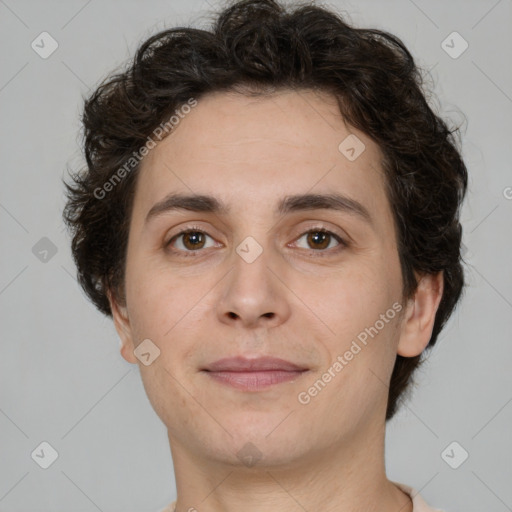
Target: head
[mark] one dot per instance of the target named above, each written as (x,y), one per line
(267,120)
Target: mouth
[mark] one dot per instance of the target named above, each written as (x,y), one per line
(253,374)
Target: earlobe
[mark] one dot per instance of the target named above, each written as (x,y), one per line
(123,328)
(420,315)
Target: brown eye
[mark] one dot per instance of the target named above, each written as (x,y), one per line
(319,240)
(189,240)
(193,240)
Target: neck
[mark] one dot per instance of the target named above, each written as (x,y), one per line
(349,478)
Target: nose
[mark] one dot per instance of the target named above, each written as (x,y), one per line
(254,294)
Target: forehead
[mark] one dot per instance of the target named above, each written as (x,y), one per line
(254,150)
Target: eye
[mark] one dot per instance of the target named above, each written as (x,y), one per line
(320,239)
(193,239)
(189,240)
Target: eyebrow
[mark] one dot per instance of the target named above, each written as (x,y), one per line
(288,204)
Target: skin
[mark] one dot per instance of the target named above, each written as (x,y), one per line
(250,152)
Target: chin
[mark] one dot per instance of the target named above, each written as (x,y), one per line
(265,444)
(254,454)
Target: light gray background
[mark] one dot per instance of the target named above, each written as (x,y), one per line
(62,379)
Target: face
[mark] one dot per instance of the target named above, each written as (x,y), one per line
(307,283)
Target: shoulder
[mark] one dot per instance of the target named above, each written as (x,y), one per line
(418,502)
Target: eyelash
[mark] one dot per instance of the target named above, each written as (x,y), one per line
(316,253)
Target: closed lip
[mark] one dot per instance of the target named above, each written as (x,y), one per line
(259,364)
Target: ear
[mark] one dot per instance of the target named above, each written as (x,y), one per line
(418,321)
(123,328)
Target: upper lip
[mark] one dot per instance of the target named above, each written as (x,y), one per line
(243,364)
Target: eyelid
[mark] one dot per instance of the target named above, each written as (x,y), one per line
(185,230)
(321,226)
(323,253)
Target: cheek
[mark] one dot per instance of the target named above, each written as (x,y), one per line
(354,297)
(162,311)
(154,296)
(146,302)
(360,307)
(172,313)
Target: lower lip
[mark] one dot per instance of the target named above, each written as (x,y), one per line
(254,381)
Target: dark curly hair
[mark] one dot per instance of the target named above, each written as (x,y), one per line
(257,47)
